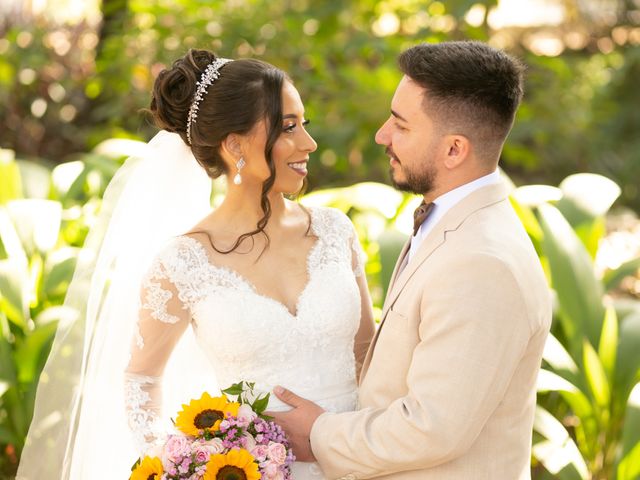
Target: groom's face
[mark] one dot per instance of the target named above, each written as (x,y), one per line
(412,142)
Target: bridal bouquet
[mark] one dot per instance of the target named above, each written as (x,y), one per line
(222,438)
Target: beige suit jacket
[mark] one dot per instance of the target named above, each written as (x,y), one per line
(447,390)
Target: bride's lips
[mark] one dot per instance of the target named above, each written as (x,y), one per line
(299,167)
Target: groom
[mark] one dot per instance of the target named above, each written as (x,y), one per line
(447,390)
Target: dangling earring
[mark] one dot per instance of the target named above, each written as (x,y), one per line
(239,165)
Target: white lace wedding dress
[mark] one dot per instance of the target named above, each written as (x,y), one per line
(248,336)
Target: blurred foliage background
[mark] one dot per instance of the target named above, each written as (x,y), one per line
(75,74)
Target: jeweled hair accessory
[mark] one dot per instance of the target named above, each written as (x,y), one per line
(210,75)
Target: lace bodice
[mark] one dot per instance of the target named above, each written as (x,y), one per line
(248,336)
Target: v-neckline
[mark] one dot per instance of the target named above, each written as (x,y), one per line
(241,278)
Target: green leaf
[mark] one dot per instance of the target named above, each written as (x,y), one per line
(366,196)
(528,219)
(590,234)
(37,222)
(631,428)
(612,278)
(32,353)
(586,199)
(260,404)
(390,243)
(377,197)
(575,398)
(535,195)
(609,343)
(559,453)
(36,179)
(235,389)
(7,364)
(17,417)
(7,436)
(590,193)
(14,282)
(64,174)
(10,239)
(552,382)
(59,272)
(628,361)
(557,356)
(629,466)
(573,278)
(115,148)
(4,386)
(10,182)
(459,8)
(105,165)
(596,376)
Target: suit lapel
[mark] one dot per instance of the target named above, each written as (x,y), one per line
(452,220)
(481,198)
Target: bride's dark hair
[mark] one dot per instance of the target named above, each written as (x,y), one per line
(247,91)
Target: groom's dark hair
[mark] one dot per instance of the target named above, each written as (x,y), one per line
(471,89)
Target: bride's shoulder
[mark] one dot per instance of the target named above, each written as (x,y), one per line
(331,219)
(180,252)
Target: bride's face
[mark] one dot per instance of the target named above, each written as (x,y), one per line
(291,151)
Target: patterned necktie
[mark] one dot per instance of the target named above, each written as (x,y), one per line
(420,215)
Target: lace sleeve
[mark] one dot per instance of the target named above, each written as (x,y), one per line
(163,318)
(357,255)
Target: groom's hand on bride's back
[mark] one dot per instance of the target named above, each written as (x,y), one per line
(297,422)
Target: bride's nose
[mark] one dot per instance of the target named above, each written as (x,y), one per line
(308,143)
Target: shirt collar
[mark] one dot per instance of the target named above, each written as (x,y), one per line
(449,199)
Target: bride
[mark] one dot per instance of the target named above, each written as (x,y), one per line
(274,293)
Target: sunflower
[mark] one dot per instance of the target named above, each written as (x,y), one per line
(205,414)
(150,468)
(233,465)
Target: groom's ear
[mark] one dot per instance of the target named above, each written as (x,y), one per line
(458,149)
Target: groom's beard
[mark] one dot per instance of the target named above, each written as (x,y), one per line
(419,183)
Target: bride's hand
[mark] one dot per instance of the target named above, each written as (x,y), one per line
(297,422)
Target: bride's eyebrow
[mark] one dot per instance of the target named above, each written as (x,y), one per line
(290,115)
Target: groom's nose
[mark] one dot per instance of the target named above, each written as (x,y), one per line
(382,135)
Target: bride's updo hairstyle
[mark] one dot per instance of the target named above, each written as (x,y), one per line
(247,91)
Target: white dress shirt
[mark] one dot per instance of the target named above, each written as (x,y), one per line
(443,203)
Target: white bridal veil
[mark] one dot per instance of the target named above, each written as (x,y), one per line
(79,429)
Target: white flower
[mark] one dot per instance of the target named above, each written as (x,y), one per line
(214,445)
(251,442)
(246,415)
(277,453)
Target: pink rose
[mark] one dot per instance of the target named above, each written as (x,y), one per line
(214,446)
(259,452)
(250,442)
(271,471)
(176,447)
(201,454)
(245,415)
(277,453)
